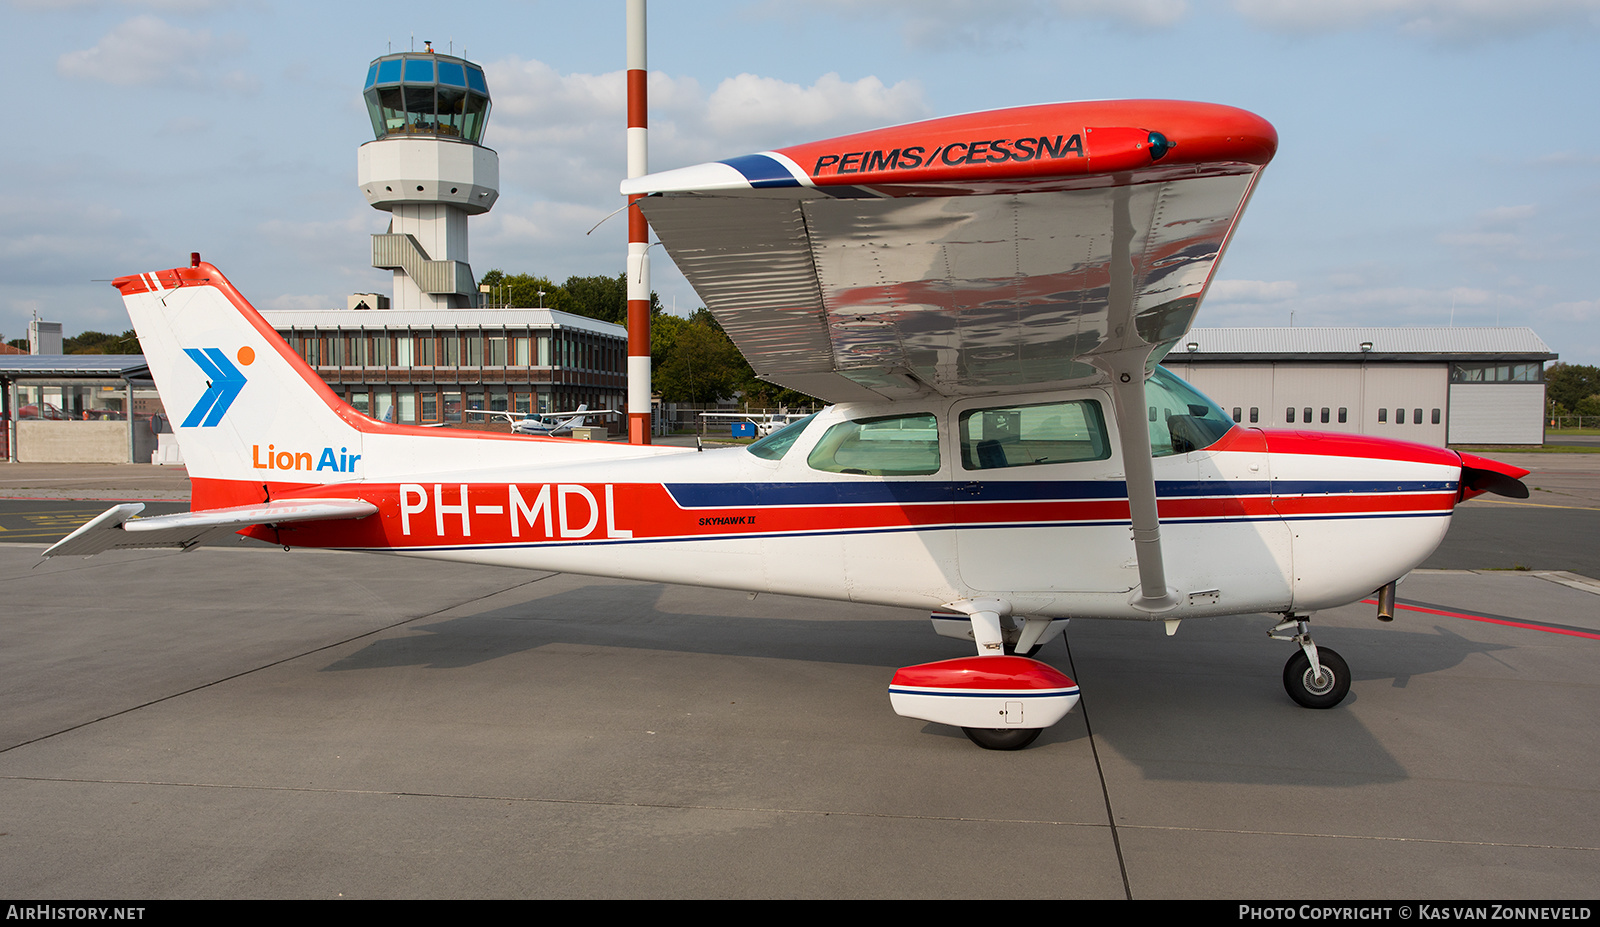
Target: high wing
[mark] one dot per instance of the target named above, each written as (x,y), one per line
(1020,249)
(984,253)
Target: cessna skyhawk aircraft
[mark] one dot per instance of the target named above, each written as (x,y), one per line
(547,423)
(984,298)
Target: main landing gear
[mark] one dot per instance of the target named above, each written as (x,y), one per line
(1315,677)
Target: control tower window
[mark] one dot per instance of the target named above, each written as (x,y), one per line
(452,74)
(427,95)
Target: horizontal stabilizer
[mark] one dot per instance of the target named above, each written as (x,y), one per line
(117,528)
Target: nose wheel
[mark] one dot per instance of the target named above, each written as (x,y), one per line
(1315,677)
(1312,690)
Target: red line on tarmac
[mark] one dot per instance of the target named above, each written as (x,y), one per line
(1505,621)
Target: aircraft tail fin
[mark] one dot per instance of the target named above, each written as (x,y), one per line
(248,412)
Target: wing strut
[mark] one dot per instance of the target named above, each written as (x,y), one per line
(1127,369)
(1126,363)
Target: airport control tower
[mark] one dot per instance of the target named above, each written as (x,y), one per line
(427,167)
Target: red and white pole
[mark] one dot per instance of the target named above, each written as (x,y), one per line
(638,235)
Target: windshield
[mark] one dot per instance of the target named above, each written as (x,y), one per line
(1181,419)
(775,445)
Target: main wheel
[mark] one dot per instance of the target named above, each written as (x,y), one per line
(1014,738)
(1303,685)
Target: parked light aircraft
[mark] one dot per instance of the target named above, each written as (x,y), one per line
(550,424)
(765,422)
(984,298)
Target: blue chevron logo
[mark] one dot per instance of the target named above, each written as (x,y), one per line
(226,382)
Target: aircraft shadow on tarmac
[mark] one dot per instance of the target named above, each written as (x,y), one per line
(1204,706)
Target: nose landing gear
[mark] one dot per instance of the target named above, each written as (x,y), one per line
(1315,677)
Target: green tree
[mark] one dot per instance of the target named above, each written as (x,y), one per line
(702,364)
(1568,385)
(603,298)
(92,342)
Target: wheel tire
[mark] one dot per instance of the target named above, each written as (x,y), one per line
(1030,652)
(1301,683)
(1003,738)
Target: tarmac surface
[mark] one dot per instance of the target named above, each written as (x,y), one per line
(244,722)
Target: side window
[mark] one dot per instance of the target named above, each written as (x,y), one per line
(894,445)
(1023,436)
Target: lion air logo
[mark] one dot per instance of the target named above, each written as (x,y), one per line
(224,382)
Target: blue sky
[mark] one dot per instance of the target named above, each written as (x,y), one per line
(1436,158)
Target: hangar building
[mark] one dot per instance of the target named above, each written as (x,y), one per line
(1430,385)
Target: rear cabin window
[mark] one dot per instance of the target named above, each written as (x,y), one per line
(1026,436)
(895,445)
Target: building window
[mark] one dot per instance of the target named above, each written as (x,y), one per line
(1288,415)
(1255,414)
(1236,413)
(1324,415)
(1383,416)
(1344,415)
(1307,419)
(1399,416)
(1436,416)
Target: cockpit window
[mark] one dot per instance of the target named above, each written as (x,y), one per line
(775,445)
(894,445)
(1181,419)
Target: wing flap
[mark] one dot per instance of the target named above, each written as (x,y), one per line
(119,528)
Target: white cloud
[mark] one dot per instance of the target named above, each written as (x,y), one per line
(747,105)
(1497,233)
(1452,20)
(1584,310)
(147,51)
(560,136)
(174,6)
(1253,291)
(987,24)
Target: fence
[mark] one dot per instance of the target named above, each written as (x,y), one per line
(684,417)
(1563,422)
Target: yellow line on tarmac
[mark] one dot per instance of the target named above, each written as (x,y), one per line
(1541,505)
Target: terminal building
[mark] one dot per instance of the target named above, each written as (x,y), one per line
(1429,385)
(425,367)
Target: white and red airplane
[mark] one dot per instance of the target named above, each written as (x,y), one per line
(984,298)
(550,424)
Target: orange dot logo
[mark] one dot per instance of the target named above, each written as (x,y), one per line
(247,355)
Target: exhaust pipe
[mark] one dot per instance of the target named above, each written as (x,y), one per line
(1386,601)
